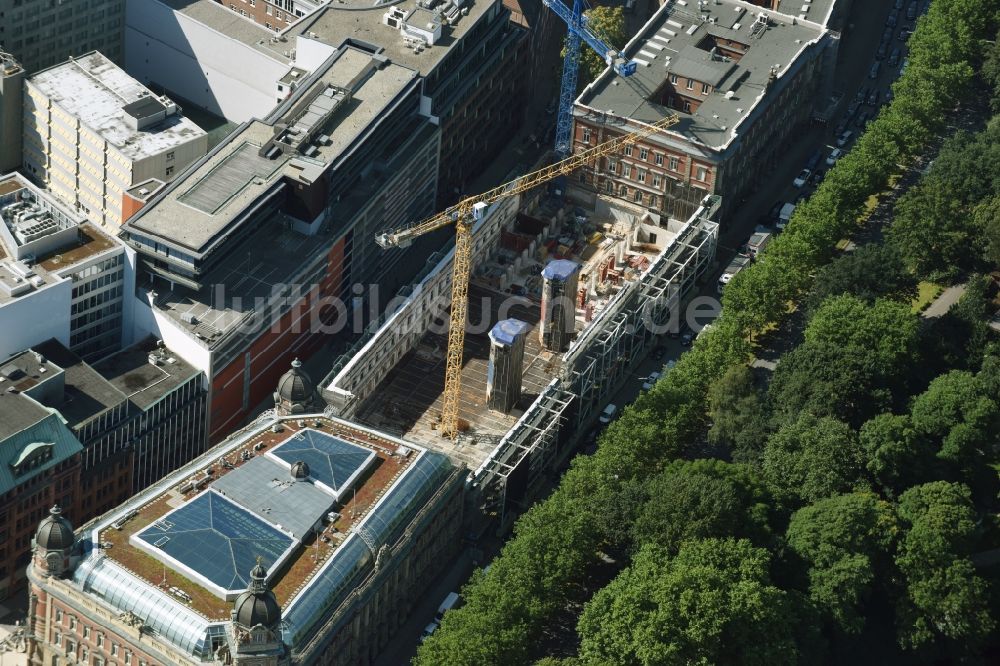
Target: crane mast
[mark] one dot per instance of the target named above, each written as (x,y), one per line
(463,215)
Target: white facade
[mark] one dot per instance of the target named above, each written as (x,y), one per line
(35,317)
(223,75)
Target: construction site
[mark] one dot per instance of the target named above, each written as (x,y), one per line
(560,302)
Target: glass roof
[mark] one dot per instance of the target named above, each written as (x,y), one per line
(332,461)
(217,540)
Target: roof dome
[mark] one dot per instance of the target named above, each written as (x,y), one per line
(55,532)
(295,387)
(300,470)
(257,605)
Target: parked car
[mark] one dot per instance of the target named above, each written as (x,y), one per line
(775,210)
(873,98)
(891,20)
(802,178)
(651,380)
(450,601)
(817,177)
(863,119)
(841,126)
(428,630)
(905,33)
(844,138)
(886,36)
(608,414)
(834,155)
(658,353)
(898,5)
(894,57)
(911,11)
(873,72)
(687,338)
(853,108)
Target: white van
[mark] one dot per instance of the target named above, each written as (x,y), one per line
(446,605)
(608,414)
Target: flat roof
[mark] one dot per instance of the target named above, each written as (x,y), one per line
(98,93)
(131,373)
(361,20)
(237,495)
(20,281)
(231,24)
(91,241)
(205,201)
(677,40)
(86,394)
(21,372)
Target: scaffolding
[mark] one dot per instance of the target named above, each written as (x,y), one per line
(594,367)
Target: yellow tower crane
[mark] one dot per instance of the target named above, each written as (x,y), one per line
(463,215)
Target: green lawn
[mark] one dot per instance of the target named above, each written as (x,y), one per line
(926,293)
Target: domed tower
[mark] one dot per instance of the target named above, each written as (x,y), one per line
(256,623)
(300,470)
(296,393)
(53,544)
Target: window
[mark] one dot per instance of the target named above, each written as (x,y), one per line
(673,79)
(674,163)
(586,135)
(628,151)
(656,180)
(58,615)
(690,84)
(702,173)
(627,170)
(100,640)
(86,632)
(170,155)
(72,624)
(170,171)
(687,107)
(704,89)
(644,154)
(638,196)
(583,177)
(658,159)
(642,175)
(114,649)
(652,202)
(612,166)
(609,186)
(622,191)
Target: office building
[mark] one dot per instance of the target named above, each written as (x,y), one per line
(41,33)
(91,132)
(244,259)
(60,276)
(11,94)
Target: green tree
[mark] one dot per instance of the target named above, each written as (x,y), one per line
(895,454)
(945,602)
(870,272)
(955,412)
(712,603)
(701,499)
(843,542)
(812,458)
(987,218)
(855,361)
(738,414)
(608,23)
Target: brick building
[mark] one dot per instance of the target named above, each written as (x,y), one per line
(744,83)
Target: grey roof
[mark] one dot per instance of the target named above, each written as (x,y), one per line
(86,394)
(362,20)
(208,200)
(673,42)
(131,374)
(266,488)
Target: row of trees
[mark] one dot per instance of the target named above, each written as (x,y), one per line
(705,569)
